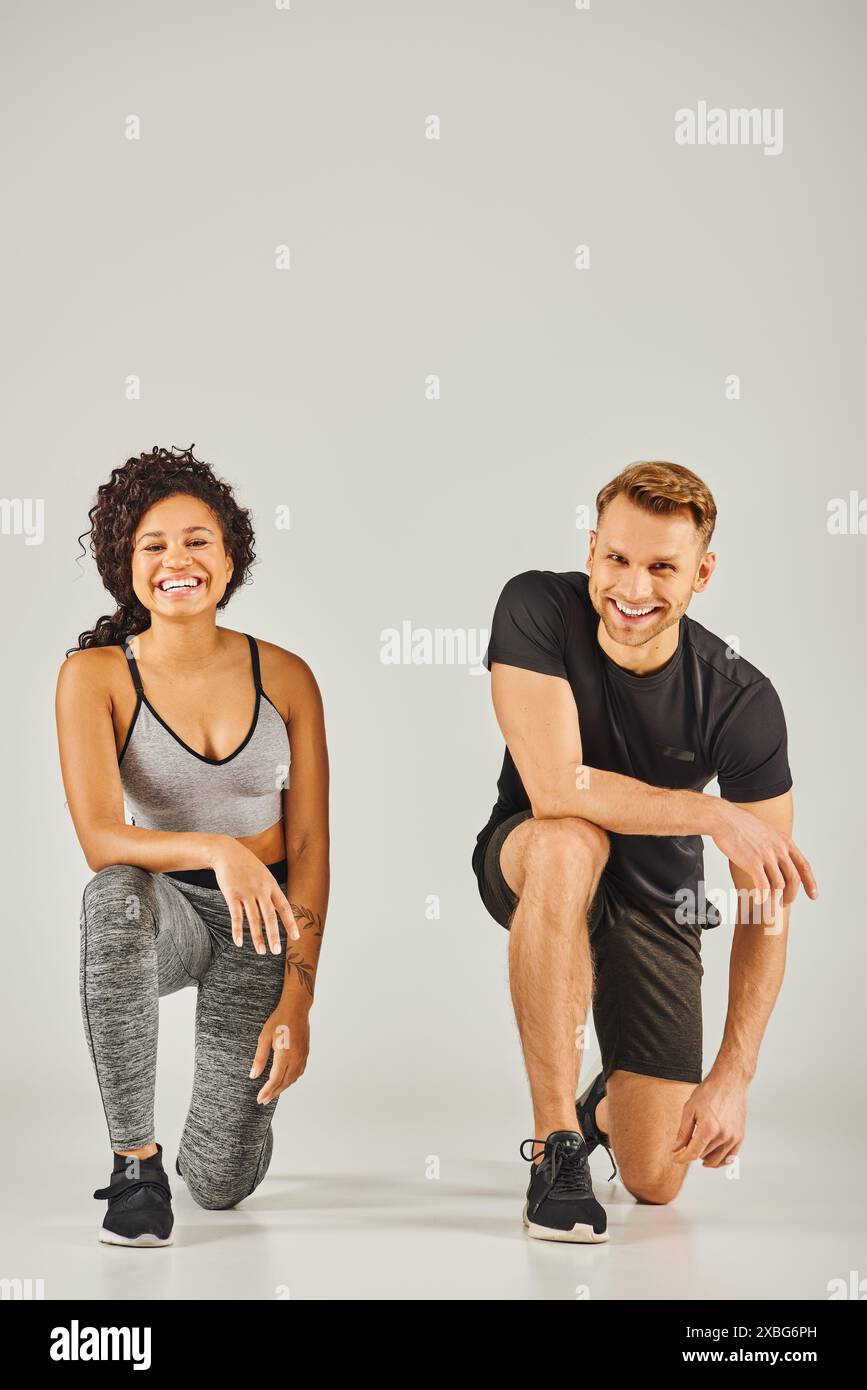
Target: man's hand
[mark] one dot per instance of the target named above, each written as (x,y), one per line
(287,1032)
(768,856)
(713,1121)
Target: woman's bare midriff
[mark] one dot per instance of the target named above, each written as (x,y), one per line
(269,846)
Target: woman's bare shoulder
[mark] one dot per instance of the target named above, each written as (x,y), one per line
(288,674)
(90,668)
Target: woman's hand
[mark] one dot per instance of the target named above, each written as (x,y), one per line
(251,890)
(287,1032)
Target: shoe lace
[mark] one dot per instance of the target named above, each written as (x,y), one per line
(566,1169)
(613,1173)
(588,1117)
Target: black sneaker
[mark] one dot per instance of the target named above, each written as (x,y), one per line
(585,1109)
(560,1203)
(139,1202)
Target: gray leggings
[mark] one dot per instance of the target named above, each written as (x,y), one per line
(144,935)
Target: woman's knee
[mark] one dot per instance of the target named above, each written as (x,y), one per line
(119,894)
(212,1198)
(218,1185)
(220,1191)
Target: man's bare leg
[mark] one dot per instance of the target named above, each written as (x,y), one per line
(553,866)
(641,1116)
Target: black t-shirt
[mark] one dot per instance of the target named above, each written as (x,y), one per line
(706,713)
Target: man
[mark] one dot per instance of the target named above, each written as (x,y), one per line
(617,710)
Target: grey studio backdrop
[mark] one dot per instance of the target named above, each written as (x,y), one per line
(433,388)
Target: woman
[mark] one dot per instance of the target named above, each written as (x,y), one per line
(221,878)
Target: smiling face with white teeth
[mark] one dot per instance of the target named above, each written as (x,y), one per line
(644,568)
(179,562)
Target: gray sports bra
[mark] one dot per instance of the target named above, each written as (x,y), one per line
(169,786)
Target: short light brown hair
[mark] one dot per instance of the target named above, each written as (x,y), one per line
(663,488)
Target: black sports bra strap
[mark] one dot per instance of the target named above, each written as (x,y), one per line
(133,667)
(254,653)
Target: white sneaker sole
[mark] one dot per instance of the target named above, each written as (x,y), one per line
(580,1234)
(144,1240)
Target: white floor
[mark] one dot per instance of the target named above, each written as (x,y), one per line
(790,1222)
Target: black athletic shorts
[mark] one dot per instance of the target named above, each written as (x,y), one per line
(648,972)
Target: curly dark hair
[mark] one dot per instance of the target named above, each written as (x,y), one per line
(120,505)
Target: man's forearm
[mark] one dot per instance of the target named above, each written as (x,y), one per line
(756,969)
(307,889)
(627,806)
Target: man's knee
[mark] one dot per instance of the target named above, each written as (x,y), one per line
(653,1189)
(656,1197)
(567,844)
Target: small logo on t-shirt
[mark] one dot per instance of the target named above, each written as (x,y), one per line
(684,755)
